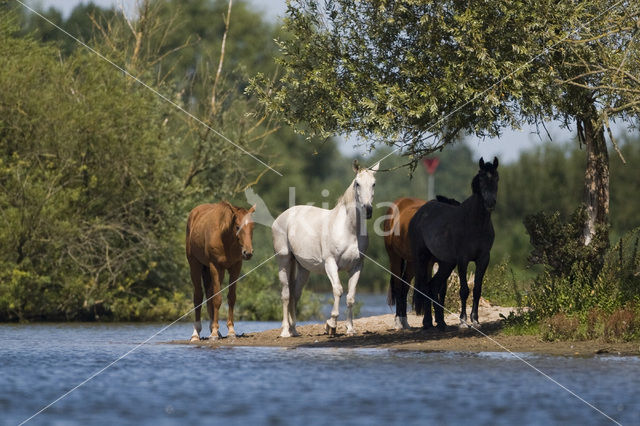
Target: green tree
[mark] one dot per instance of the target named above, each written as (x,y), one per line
(88,189)
(416,74)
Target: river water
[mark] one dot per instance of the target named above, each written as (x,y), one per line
(161,384)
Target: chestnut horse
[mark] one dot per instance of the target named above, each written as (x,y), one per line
(218,239)
(398,246)
(396,242)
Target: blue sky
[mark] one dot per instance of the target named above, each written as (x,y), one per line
(506,148)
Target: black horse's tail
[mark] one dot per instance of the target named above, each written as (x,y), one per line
(420,298)
(391,294)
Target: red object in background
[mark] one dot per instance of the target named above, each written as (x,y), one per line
(430,164)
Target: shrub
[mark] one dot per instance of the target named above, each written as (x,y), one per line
(582,294)
(559,245)
(560,327)
(623,324)
(499,287)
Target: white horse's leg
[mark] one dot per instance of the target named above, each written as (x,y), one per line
(351,297)
(284,267)
(302,275)
(331,268)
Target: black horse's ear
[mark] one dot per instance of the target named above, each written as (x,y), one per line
(356,166)
(495,162)
(481,163)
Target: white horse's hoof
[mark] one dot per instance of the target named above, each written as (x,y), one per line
(285,333)
(194,338)
(351,332)
(476,324)
(463,325)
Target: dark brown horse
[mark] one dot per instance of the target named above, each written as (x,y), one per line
(454,236)
(218,239)
(398,246)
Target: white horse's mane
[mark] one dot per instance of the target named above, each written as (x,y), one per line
(348,196)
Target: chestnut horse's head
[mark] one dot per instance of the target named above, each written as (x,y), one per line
(243,229)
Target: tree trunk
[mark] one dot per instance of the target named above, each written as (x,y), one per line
(596,178)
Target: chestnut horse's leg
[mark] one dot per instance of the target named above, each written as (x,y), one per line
(208,288)
(407,275)
(234,273)
(481,268)
(214,299)
(196,273)
(395,289)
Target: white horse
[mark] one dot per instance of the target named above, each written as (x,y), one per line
(308,238)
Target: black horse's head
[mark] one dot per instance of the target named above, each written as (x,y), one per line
(485,183)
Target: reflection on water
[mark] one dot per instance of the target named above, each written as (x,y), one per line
(169,384)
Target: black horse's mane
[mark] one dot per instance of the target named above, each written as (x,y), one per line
(475,184)
(446,200)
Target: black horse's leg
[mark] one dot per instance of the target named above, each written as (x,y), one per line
(464,291)
(481,267)
(439,289)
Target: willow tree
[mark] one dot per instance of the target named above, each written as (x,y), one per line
(415,74)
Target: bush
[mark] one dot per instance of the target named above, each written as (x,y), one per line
(499,287)
(580,294)
(559,245)
(560,327)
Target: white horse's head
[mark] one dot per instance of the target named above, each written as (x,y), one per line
(363,187)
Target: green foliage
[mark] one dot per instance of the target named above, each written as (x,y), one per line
(560,245)
(258,298)
(97,174)
(499,287)
(415,74)
(581,301)
(88,189)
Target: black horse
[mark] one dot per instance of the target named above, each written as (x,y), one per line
(454,236)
